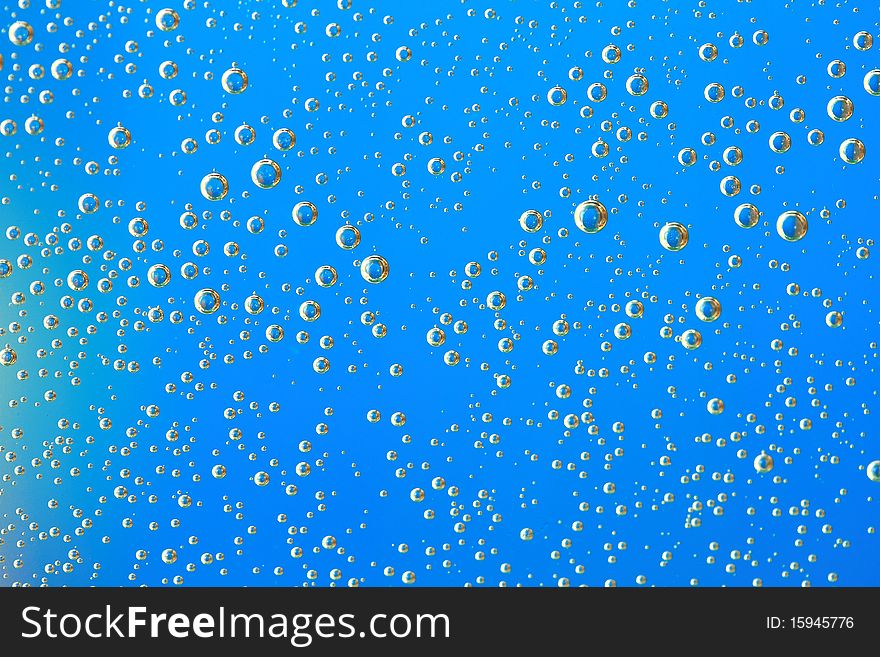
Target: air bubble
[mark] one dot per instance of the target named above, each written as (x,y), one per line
(234,81)
(207,301)
(590,216)
(374,269)
(791,226)
(214,187)
(674,236)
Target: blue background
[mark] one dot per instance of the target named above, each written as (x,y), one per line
(477,81)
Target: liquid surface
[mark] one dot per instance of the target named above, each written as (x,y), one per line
(399,293)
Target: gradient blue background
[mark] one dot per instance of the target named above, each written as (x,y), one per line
(467,67)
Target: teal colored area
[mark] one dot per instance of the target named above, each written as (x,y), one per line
(275,311)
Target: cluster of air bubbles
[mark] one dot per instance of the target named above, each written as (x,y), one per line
(209,380)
